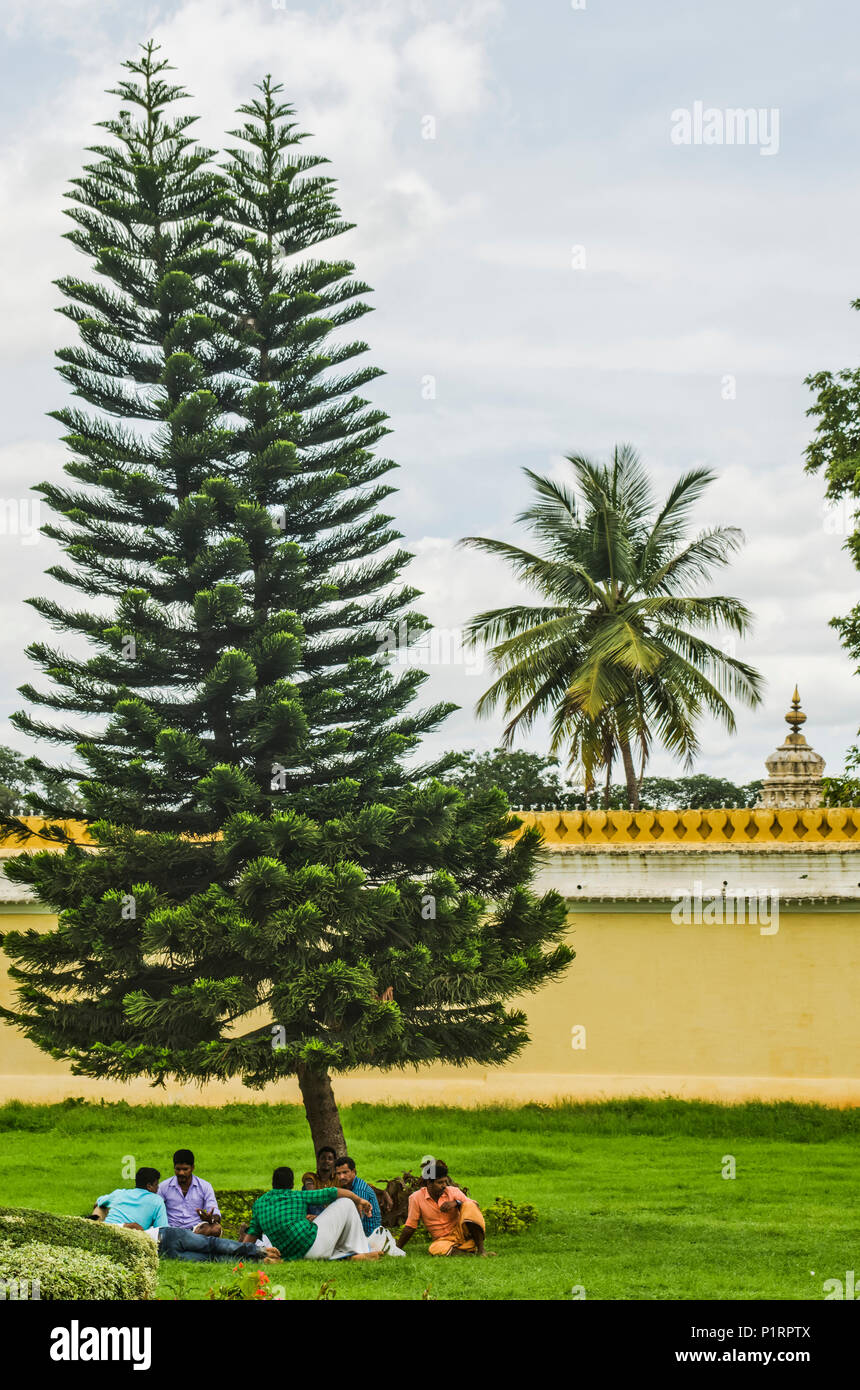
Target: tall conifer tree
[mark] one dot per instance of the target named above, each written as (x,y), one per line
(270,895)
(310,450)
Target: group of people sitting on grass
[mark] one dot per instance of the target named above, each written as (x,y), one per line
(334,1216)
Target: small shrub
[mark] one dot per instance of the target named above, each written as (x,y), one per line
(66,1273)
(249,1286)
(74,1258)
(506,1217)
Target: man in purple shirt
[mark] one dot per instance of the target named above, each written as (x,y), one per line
(190,1201)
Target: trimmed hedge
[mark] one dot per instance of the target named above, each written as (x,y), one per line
(73,1258)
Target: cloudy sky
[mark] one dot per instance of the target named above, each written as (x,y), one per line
(553,273)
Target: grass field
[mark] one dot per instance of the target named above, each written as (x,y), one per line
(631,1197)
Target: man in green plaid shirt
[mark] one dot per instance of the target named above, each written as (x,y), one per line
(336,1234)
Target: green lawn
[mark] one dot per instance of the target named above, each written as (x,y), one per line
(631,1199)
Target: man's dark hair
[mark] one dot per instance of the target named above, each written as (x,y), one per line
(345,1158)
(144,1176)
(326,1149)
(183,1156)
(438,1171)
(282,1177)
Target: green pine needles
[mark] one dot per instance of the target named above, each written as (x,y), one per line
(276,890)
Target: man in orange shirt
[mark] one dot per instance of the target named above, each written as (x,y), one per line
(455,1223)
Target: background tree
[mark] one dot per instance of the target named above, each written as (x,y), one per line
(612,650)
(252,911)
(21,789)
(528,780)
(532,782)
(843,790)
(16,779)
(834,451)
(699,792)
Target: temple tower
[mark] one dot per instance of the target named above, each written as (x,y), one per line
(794,769)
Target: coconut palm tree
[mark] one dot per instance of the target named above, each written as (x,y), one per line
(614,648)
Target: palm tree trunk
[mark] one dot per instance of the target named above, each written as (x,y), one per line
(629,775)
(321,1110)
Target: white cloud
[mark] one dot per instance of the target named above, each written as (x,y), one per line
(450,71)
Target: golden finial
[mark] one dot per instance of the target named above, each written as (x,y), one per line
(795,716)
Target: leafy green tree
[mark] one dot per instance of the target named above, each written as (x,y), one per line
(21,789)
(528,780)
(612,647)
(699,792)
(834,451)
(271,896)
(531,782)
(845,789)
(16,778)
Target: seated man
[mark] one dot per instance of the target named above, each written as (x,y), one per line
(198,1243)
(346,1179)
(190,1201)
(454,1221)
(336,1234)
(323,1177)
(138,1208)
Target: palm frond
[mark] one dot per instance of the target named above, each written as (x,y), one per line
(615,656)
(694,563)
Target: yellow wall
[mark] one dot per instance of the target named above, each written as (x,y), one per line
(713,1011)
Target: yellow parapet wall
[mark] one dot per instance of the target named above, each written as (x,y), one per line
(697,829)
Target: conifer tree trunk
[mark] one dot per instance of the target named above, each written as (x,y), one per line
(321,1109)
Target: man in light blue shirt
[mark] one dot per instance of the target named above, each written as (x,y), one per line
(190,1201)
(139,1208)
